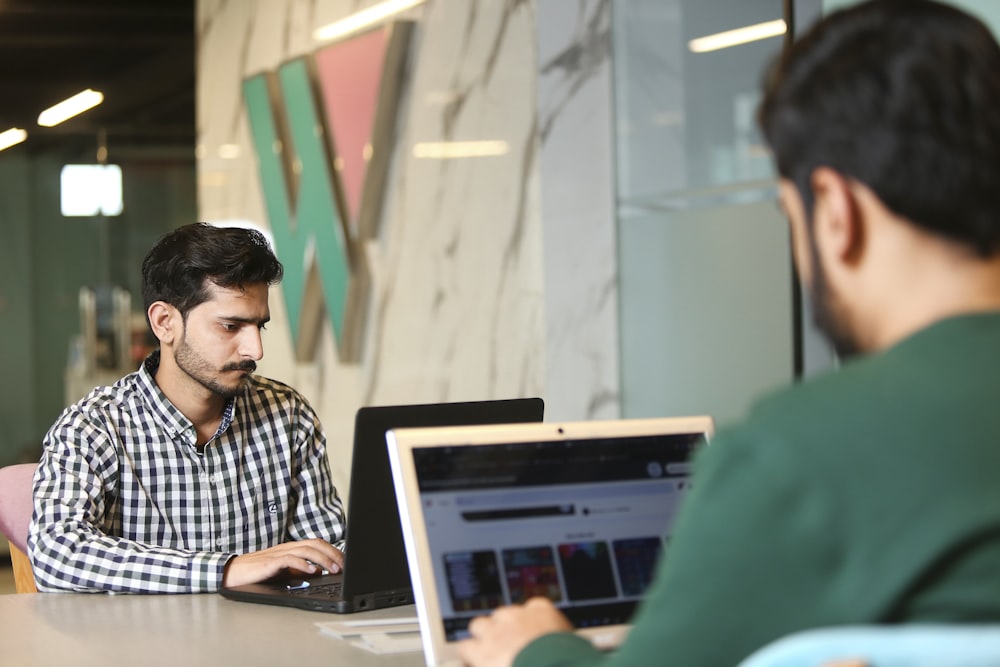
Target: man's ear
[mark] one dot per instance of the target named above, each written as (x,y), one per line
(164,320)
(837,225)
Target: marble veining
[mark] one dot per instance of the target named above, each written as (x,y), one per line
(577,206)
(584,58)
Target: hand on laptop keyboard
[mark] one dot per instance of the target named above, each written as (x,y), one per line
(302,558)
(499,637)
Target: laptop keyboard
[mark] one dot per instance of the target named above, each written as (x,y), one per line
(331,590)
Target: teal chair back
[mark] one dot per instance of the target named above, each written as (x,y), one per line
(884,646)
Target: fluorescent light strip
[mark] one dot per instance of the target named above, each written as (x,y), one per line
(750,33)
(363,19)
(229,151)
(448,150)
(88,99)
(12,137)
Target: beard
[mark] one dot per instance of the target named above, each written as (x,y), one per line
(827,314)
(198,369)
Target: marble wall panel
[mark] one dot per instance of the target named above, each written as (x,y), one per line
(459,307)
(578,208)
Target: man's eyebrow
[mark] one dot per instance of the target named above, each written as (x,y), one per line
(246,320)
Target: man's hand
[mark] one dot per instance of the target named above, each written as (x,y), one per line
(305,557)
(498,638)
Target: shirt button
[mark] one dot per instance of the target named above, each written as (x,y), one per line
(218,541)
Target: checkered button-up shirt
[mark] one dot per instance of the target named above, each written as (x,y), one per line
(124,501)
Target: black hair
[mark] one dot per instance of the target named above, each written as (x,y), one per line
(904,97)
(179,267)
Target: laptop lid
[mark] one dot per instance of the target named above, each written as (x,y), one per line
(576,512)
(375,567)
(375,551)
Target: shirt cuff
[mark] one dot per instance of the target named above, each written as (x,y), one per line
(559,648)
(207,570)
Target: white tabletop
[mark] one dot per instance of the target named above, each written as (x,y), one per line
(175,630)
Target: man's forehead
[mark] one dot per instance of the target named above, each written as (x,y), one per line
(238,301)
(248,291)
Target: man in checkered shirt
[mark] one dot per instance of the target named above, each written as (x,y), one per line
(191,472)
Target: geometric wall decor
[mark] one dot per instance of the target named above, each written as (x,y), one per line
(322,126)
(359,81)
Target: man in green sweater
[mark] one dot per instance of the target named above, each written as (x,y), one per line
(870,495)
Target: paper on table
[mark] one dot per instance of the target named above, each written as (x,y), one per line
(384,643)
(356,628)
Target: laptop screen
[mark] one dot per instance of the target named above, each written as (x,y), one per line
(580,520)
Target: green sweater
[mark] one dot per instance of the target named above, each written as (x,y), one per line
(869,495)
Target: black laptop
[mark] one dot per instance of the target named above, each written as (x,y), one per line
(375,571)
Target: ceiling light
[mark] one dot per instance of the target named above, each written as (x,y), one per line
(68,108)
(750,33)
(446,150)
(229,151)
(12,137)
(363,19)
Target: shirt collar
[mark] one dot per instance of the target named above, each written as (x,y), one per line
(172,419)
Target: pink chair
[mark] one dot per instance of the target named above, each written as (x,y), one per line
(15,515)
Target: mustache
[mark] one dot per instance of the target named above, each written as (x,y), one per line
(249,366)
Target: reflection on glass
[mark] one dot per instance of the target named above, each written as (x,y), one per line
(685,120)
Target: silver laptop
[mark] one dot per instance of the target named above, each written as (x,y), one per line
(576,512)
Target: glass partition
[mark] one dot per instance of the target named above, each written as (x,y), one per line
(706,287)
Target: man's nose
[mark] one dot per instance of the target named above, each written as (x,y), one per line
(251,345)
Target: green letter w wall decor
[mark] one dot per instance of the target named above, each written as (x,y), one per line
(302,206)
(337,103)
